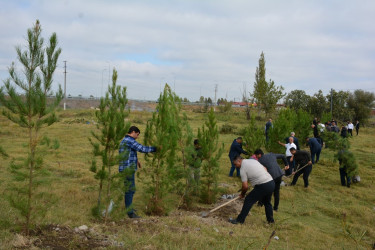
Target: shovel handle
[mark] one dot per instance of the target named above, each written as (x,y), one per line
(226,203)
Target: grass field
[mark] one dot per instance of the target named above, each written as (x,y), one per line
(311,218)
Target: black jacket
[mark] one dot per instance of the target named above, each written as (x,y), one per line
(236,149)
(301,158)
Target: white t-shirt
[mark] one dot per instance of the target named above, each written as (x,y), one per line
(322,127)
(350,126)
(289,146)
(254,172)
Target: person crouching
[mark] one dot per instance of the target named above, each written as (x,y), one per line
(261,180)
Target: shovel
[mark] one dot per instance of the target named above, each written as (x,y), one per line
(205,214)
(296,171)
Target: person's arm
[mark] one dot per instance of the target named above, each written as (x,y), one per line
(240,150)
(282,144)
(245,187)
(140,148)
(282,157)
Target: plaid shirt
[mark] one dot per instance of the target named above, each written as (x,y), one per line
(129,144)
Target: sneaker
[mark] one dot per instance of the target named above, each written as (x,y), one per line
(234,221)
(134,216)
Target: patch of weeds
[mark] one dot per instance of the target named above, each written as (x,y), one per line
(228,129)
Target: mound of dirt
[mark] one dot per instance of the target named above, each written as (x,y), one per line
(62,237)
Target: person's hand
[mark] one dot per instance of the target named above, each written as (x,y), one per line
(286,167)
(242,196)
(310,163)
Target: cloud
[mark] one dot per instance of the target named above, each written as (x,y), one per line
(194,45)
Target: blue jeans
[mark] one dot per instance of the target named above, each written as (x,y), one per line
(233,168)
(129,192)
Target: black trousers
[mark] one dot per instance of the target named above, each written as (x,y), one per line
(306,172)
(350,131)
(276,193)
(345,179)
(263,193)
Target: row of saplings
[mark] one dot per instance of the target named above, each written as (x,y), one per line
(25,102)
(170,168)
(179,165)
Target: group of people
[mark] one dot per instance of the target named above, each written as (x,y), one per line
(346,130)
(261,170)
(265,175)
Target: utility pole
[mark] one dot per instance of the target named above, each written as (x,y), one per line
(215,92)
(65,85)
(215,102)
(331,104)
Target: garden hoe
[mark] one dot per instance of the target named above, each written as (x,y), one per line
(205,214)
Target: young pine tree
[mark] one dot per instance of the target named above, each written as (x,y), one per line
(341,145)
(189,161)
(287,121)
(25,102)
(211,152)
(111,129)
(162,130)
(253,137)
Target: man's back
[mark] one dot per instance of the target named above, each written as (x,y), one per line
(314,144)
(253,171)
(270,162)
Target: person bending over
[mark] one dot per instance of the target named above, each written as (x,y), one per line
(261,180)
(302,158)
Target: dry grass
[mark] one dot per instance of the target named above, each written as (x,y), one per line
(307,219)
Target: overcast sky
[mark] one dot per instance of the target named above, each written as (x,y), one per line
(193,45)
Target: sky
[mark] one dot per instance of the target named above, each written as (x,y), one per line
(195,45)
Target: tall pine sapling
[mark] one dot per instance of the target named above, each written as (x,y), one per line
(254,136)
(341,145)
(287,121)
(29,109)
(190,162)
(211,152)
(162,130)
(111,129)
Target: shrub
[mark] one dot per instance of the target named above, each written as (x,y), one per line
(227,128)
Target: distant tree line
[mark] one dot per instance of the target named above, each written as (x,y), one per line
(345,105)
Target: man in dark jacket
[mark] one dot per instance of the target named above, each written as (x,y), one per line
(270,162)
(357,127)
(267,129)
(235,149)
(315,148)
(302,158)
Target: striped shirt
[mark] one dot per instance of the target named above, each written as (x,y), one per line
(129,144)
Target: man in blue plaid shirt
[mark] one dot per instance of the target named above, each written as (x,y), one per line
(129,146)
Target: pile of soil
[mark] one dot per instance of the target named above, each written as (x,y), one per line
(62,237)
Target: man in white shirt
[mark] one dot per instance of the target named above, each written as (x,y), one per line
(350,128)
(255,173)
(288,155)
